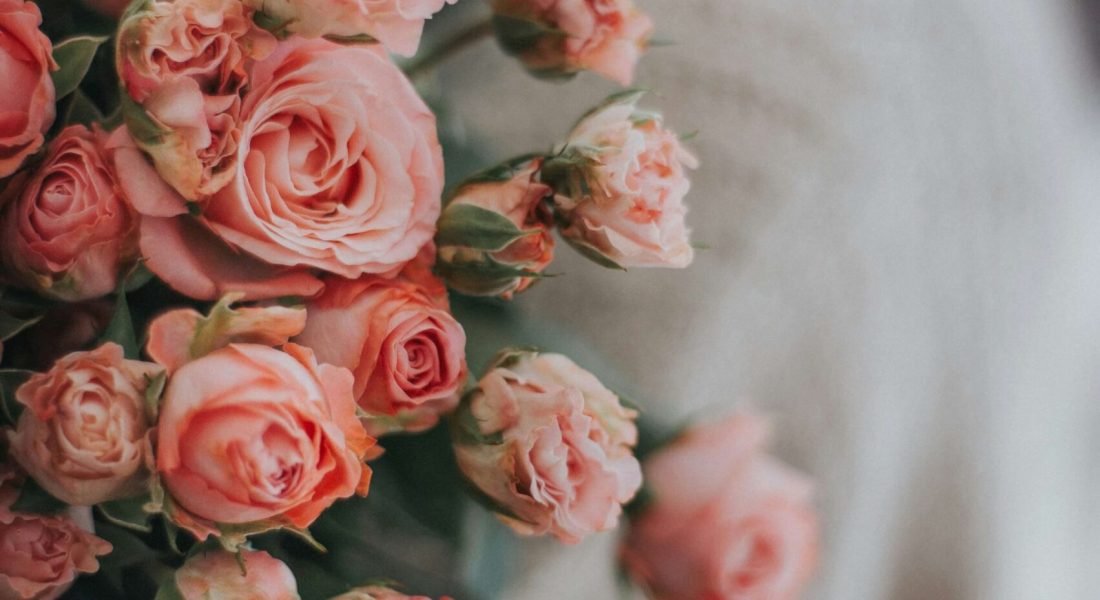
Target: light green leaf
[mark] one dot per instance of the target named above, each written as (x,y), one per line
(74,57)
(593,254)
(129,513)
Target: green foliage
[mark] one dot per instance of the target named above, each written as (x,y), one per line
(34,499)
(10,408)
(74,57)
(471,226)
(120,329)
(129,513)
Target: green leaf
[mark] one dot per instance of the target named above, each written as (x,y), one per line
(12,326)
(81,110)
(516,35)
(34,499)
(153,390)
(169,590)
(142,127)
(129,513)
(74,57)
(475,227)
(10,380)
(502,172)
(121,328)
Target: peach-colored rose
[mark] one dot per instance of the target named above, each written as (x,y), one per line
(217,574)
(630,207)
(407,352)
(517,195)
(27,105)
(375,592)
(549,446)
(603,36)
(339,169)
(255,437)
(66,231)
(41,556)
(396,23)
(82,435)
(726,522)
(185,65)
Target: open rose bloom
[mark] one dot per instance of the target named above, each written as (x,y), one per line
(726,521)
(220,574)
(549,446)
(621,179)
(27,105)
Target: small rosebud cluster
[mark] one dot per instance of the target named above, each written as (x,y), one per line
(615,190)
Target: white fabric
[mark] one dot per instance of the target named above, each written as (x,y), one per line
(903,203)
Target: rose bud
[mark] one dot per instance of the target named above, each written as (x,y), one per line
(375,592)
(82,435)
(26,61)
(398,338)
(284,428)
(549,447)
(339,169)
(495,233)
(726,520)
(184,66)
(218,574)
(66,231)
(621,184)
(558,38)
(41,556)
(397,24)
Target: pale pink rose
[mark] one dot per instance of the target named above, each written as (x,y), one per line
(185,64)
(630,208)
(519,198)
(41,556)
(727,521)
(549,446)
(216,574)
(66,231)
(254,437)
(603,36)
(407,352)
(375,592)
(110,8)
(179,336)
(27,105)
(396,23)
(82,435)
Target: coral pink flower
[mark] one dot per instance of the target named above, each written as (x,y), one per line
(27,105)
(218,574)
(727,522)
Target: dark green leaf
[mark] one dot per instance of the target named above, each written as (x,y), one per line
(81,110)
(121,328)
(475,227)
(128,513)
(361,38)
(516,36)
(74,56)
(11,326)
(34,499)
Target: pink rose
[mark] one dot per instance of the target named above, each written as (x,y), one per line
(82,435)
(255,438)
(219,574)
(375,592)
(66,231)
(41,556)
(478,266)
(549,446)
(27,108)
(561,37)
(727,521)
(407,352)
(626,202)
(185,65)
(339,169)
(396,23)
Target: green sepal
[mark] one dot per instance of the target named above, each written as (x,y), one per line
(485,277)
(34,499)
(154,389)
(129,513)
(73,57)
(280,28)
(474,227)
(502,172)
(518,35)
(593,254)
(142,127)
(352,40)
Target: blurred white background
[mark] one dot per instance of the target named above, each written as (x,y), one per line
(903,204)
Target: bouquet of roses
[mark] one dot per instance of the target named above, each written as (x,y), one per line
(231,366)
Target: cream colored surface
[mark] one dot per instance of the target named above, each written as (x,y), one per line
(902,199)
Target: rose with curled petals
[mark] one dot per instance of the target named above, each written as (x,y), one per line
(220,575)
(27,104)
